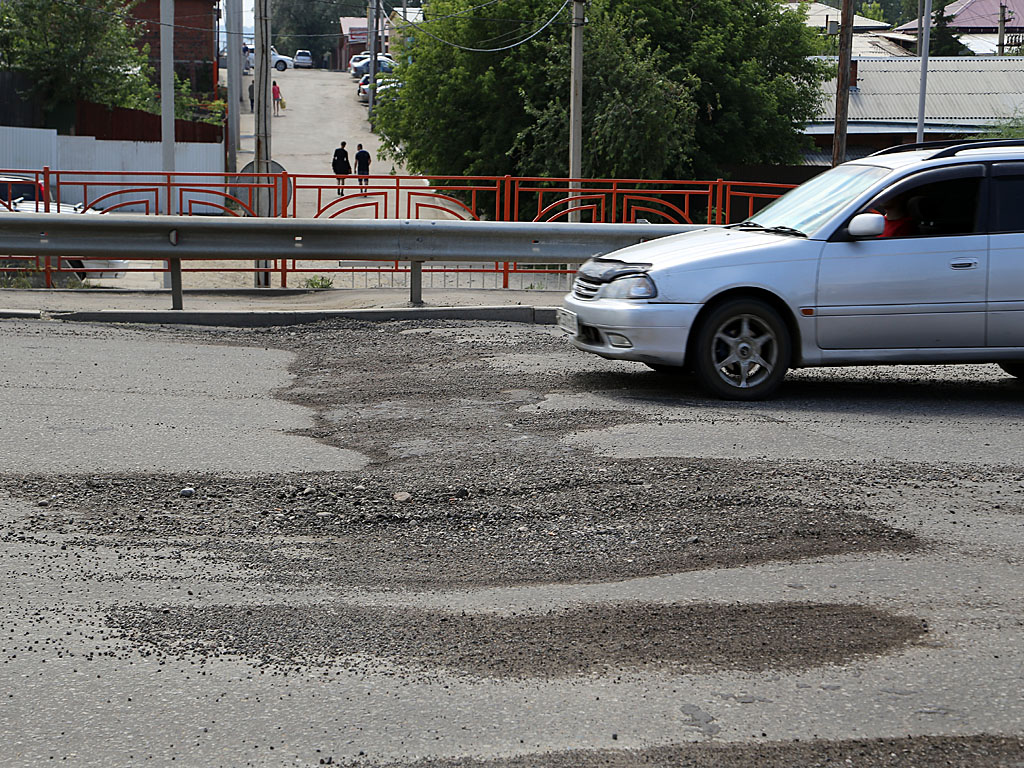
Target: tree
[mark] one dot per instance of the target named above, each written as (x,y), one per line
(872,10)
(757,84)
(637,121)
(944,41)
(683,88)
(72,51)
(298,24)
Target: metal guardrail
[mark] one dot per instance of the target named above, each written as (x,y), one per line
(176,238)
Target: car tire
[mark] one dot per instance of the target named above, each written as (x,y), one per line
(742,350)
(280,66)
(1015,368)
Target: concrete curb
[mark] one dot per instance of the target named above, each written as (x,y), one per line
(256,319)
(20,314)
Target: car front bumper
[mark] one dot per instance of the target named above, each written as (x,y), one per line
(624,329)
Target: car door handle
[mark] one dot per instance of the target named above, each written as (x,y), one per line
(963,264)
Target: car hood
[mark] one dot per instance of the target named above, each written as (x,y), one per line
(704,248)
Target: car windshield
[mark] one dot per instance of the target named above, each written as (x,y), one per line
(806,208)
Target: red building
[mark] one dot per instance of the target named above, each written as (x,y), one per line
(195,39)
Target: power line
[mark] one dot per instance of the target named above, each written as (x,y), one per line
(527,39)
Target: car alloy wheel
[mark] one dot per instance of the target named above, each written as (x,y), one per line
(742,350)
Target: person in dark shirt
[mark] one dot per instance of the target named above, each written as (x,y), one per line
(362,167)
(341,166)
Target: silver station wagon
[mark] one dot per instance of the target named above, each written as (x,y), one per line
(912,255)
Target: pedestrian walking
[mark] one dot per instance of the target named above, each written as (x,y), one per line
(341,166)
(252,96)
(362,167)
(275,91)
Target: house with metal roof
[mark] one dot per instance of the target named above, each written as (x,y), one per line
(964,96)
(976,24)
(870,36)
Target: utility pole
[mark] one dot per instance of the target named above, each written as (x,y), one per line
(172,277)
(262,94)
(1002,29)
(234,29)
(926,34)
(371,89)
(576,104)
(843,83)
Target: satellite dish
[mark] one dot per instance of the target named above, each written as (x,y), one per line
(240,184)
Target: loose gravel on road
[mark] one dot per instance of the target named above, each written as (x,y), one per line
(471,485)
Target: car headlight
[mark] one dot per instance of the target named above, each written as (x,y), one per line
(630,287)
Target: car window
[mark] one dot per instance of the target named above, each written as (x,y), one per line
(1008,197)
(939,208)
(13,190)
(814,202)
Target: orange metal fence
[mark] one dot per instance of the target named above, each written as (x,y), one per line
(481,198)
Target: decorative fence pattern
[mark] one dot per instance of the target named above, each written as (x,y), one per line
(466,198)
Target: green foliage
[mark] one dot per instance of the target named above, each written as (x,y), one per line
(300,24)
(943,41)
(872,10)
(756,84)
(637,121)
(1010,128)
(318,281)
(671,88)
(74,51)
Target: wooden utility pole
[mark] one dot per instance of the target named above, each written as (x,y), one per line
(843,83)
(1002,29)
(926,39)
(263,101)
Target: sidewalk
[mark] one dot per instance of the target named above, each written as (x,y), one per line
(261,307)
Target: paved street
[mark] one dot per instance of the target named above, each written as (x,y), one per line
(467,544)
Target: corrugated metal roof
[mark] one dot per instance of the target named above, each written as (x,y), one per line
(980,15)
(964,91)
(819,14)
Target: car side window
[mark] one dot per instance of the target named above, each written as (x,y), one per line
(941,208)
(1008,200)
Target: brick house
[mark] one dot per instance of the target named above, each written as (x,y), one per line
(195,39)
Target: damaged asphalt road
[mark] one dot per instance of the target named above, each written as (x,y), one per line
(456,543)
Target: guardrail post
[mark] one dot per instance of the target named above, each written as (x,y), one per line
(284,273)
(416,283)
(177,297)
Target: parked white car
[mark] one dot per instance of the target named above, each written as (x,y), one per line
(277,61)
(303,59)
(19,194)
(821,277)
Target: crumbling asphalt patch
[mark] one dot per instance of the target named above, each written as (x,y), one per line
(528,523)
(982,751)
(587,640)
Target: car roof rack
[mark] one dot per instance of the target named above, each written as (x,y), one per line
(950,147)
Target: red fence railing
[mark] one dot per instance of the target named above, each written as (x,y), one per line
(493,198)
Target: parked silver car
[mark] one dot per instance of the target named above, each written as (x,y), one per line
(23,194)
(912,255)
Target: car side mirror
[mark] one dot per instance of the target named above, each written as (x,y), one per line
(866,225)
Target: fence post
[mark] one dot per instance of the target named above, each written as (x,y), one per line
(284,272)
(284,194)
(504,275)
(507,212)
(46,189)
(720,200)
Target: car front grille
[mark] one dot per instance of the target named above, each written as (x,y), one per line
(585,289)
